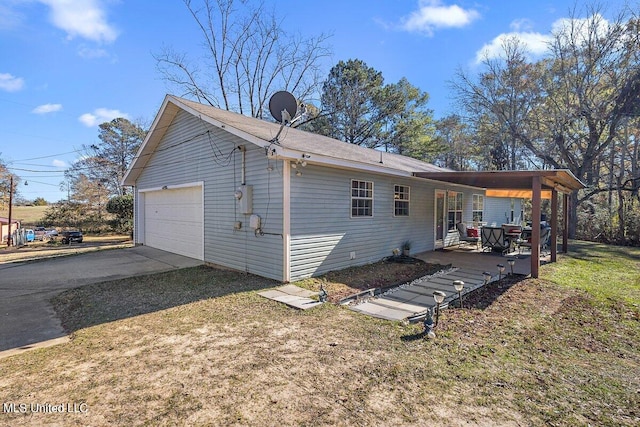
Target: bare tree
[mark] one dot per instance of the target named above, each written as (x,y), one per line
(566,110)
(248,57)
(499,102)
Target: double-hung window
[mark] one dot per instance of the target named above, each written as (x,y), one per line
(477,207)
(454,205)
(361,198)
(401,200)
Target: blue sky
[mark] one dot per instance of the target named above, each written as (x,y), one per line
(68,65)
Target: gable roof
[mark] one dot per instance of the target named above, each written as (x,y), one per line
(291,144)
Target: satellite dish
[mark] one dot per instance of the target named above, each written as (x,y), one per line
(283,106)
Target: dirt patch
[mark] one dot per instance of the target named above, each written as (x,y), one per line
(484,296)
(383,274)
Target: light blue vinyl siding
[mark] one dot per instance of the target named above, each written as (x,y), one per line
(186,155)
(324,235)
(498,210)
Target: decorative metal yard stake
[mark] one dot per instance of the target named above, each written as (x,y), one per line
(428,324)
(323,294)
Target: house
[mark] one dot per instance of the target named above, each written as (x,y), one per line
(282,203)
(5,229)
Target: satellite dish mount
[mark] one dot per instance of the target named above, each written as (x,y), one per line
(284,108)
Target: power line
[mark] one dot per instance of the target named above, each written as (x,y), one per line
(33,171)
(40,176)
(43,183)
(35,164)
(218,157)
(46,157)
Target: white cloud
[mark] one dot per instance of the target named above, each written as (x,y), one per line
(59,163)
(47,108)
(432,15)
(82,18)
(582,27)
(100,116)
(535,44)
(11,83)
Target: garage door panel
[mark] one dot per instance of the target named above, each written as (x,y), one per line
(174,221)
(175,210)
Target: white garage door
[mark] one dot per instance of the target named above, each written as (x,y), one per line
(173,221)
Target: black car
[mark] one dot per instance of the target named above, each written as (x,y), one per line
(71,236)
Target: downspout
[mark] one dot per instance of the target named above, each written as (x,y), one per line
(535,225)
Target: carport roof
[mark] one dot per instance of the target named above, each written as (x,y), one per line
(510,183)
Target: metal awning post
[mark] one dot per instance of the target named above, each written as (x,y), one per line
(553,240)
(536,202)
(565,223)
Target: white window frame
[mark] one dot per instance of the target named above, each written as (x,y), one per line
(477,205)
(457,207)
(360,196)
(402,196)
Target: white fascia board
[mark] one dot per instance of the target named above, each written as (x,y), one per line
(277,151)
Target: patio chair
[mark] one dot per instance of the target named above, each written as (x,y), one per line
(495,239)
(545,234)
(464,237)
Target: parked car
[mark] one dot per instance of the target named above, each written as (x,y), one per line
(71,236)
(29,235)
(39,231)
(50,234)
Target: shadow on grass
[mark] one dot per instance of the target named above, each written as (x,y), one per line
(414,337)
(105,302)
(587,251)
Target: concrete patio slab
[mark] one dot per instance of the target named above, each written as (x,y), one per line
(424,300)
(398,305)
(296,290)
(381,312)
(400,295)
(293,296)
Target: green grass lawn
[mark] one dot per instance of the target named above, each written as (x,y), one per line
(200,347)
(606,272)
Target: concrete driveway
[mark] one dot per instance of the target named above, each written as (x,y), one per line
(27,318)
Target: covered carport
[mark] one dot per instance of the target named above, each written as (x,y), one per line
(535,185)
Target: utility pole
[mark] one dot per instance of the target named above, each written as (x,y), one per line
(10,203)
